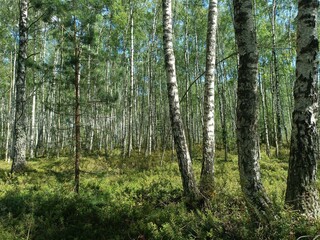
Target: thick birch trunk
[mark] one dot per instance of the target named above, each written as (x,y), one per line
(247,112)
(302,194)
(19,132)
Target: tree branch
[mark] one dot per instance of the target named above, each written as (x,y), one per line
(194,81)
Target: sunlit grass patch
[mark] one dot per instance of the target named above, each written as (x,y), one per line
(137,197)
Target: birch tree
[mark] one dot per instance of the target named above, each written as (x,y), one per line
(207,171)
(301,193)
(247,112)
(130,120)
(189,184)
(77,106)
(276,82)
(19,131)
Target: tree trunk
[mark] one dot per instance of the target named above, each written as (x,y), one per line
(77,108)
(19,132)
(247,112)
(264,117)
(130,125)
(273,112)
(302,194)
(150,91)
(221,86)
(34,102)
(188,104)
(207,171)
(10,103)
(276,77)
(199,124)
(223,111)
(124,125)
(189,184)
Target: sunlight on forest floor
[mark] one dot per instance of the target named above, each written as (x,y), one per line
(137,198)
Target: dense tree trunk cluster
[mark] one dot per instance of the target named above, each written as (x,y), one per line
(113,53)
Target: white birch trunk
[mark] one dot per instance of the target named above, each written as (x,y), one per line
(264,116)
(302,193)
(130,125)
(247,112)
(207,171)
(33,109)
(189,184)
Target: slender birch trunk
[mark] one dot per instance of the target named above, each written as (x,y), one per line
(10,103)
(223,119)
(19,133)
(60,137)
(302,193)
(77,108)
(150,92)
(130,125)
(188,104)
(207,171)
(273,112)
(189,184)
(199,125)
(264,117)
(34,101)
(276,77)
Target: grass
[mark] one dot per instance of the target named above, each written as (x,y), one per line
(137,198)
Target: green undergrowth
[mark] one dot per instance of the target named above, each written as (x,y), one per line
(137,198)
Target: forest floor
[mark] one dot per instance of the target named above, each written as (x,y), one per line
(137,198)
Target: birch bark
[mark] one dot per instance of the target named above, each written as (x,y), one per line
(189,184)
(302,194)
(207,171)
(19,132)
(247,112)
(130,125)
